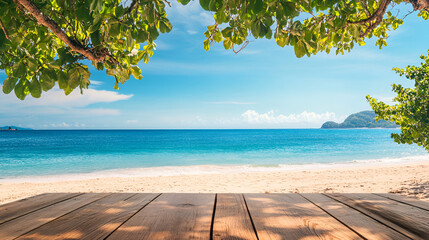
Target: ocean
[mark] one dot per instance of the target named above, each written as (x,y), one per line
(158,152)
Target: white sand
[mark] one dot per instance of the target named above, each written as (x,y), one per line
(410,179)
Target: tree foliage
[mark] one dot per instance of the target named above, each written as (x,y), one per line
(411,111)
(46,41)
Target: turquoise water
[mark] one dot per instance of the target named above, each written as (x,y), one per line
(31,153)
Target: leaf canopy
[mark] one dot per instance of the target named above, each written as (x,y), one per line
(45,42)
(411,111)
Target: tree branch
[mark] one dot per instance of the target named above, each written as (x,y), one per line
(420,4)
(169,3)
(376,15)
(133,5)
(52,25)
(4,30)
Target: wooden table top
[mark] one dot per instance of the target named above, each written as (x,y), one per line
(215,216)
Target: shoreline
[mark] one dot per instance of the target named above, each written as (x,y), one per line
(215,169)
(406,178)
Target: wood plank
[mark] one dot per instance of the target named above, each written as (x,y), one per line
(410,201)
(290,216)
(16,227)
(360,223)
(171,216)
(16,209)
(232,220)
(408,220)
(94,221)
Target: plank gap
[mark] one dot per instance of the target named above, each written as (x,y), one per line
(213,217)
(360,235)
(369,216)
(63,214)
(132,214)
(37,209)
(399,201)
(250,216)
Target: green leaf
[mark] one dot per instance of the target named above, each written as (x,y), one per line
(183,2)
(227,32)
(21,89)
(95,38)
(281,39)
(74,78)
(145,58)
(19,70)
(114,30)
(206,45)
(218,37)
(300,50)
(142,36)
(110,72)
(35,88)
(96,5)
(136,72)
(255,28)
(9,84)
(47,79)
(65,56)
(256,6)
(116,83)
(205,4)
(63,81)
(32,64)
(289,8)
(96,24)
(227,44)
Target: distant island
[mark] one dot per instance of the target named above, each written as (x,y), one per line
(13,128)
(364,119)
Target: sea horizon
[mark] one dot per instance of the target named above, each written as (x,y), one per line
(97,152)
(143,129)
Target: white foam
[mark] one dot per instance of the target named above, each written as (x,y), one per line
(218,169)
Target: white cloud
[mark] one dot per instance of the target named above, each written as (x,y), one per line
(60,125)
(192,32)
(253,117)
(56,98)
(55,102)
(63,125)
(96,83)
(132,121)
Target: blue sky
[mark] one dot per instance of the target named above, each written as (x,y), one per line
(264,86)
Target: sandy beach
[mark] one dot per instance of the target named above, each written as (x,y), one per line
(410,179)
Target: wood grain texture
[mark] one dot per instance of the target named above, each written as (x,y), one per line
(16,227)
(94,221)
(16,209)
(410,201)
(171,216)
(290,216)
(409,220)
(232,221)
(360,223)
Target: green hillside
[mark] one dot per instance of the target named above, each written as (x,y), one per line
(364,119)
